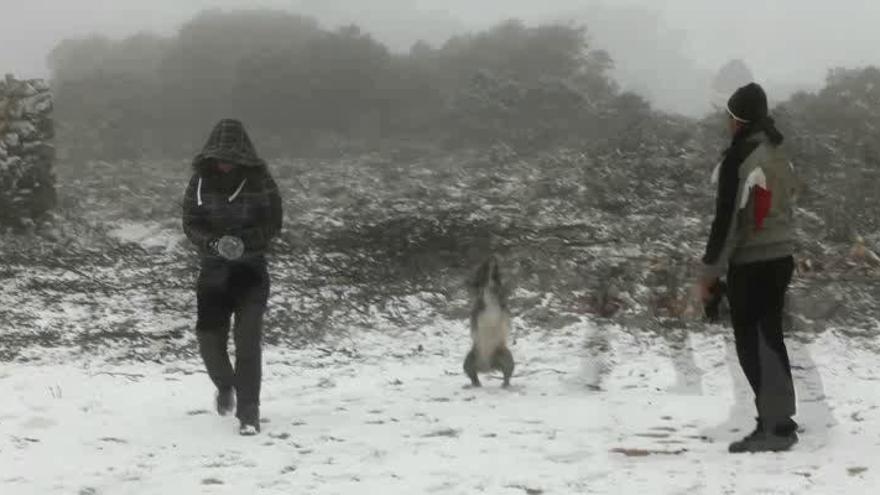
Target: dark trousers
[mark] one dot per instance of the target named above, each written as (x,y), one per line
(756,292)
(225,290)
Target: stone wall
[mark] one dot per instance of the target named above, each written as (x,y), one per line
(27,185)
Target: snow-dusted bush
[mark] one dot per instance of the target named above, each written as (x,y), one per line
(834,136)
(309,90)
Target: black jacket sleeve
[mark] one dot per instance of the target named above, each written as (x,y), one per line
(722,237)
(276,210)
(258,238)
(725,210)
(195,225)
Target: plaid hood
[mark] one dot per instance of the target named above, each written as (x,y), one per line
(229,142)
(244,203)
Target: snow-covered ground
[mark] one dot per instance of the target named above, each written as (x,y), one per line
(592,410)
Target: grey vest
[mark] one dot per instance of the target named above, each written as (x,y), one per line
(767,167)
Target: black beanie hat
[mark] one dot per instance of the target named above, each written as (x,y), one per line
(748,104)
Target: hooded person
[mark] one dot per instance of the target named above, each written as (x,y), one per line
(752,242)
(231,212)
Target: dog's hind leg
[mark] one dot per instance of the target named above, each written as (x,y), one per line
(470,367)
(503,360)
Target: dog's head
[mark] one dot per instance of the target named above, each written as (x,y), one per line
(487,276)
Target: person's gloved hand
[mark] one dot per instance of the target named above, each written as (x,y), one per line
(228,246)
(705,287)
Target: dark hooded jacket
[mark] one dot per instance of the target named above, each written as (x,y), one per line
(244,202)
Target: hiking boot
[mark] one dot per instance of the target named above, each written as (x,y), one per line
(761,440)
(249,421)
(764,442)
(225,401)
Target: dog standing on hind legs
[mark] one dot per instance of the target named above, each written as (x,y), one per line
(490,325)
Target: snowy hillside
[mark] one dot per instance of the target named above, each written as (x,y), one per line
(619,387)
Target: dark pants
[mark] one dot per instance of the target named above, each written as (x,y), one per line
(756,292)
(239,289)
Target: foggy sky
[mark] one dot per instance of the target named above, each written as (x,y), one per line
(788,42)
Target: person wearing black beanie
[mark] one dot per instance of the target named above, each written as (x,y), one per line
(749,113)
(752,242)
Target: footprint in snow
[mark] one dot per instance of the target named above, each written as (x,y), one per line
(113,440)
(855,471)
(638,452)
(448,432)
(569,458)
(527,490)
(39,423)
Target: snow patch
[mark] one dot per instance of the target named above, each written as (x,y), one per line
(148,235)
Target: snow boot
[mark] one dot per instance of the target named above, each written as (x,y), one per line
(246,429)
(225,401)
(249,421)
(775,439)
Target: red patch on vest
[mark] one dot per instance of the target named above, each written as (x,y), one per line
(763,200)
